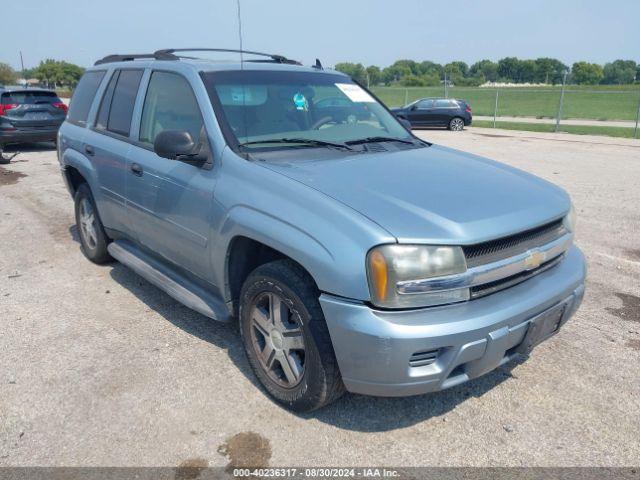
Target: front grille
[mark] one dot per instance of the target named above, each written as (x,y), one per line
(501,248)
(420,359)
(493,287)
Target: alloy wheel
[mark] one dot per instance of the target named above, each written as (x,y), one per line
(88,227)
(457,124)
(277,339)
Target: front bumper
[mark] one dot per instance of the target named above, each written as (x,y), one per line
(374,348)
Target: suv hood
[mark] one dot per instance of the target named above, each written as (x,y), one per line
(433,194)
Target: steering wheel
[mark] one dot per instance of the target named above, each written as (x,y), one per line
(322,121)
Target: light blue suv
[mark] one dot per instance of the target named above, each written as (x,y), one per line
(352,254)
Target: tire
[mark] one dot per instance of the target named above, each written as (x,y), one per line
(93,239)
(456,124)
(312,378)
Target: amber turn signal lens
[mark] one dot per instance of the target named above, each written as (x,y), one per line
(379,274)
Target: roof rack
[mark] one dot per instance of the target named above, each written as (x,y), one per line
(169,54)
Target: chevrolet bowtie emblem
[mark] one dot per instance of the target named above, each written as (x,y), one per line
(534,259)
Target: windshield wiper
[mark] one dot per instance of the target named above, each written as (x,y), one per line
(360,141)
(305,141)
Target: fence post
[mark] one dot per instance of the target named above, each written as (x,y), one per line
(495,111)
(635,130)
(406,96)
(564,82)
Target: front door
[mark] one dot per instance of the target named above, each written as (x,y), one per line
(422,113)
(169,201)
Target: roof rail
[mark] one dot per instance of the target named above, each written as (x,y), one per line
(274,57)
(169,54)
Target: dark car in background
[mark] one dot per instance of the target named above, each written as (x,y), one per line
(436,112)
(29,115)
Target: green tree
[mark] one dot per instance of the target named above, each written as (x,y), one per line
(620,72)
(549,70)
(412,81)
(7,74)
(394,73)
(509,69)
(57,73)
(374,75)
(430,68)
(584,73)
(354,70)
(486,68)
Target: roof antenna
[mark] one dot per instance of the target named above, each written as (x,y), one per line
(240,35)
(318,65)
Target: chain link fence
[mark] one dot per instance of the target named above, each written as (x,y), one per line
(555,104)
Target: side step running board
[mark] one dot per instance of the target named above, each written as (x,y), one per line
(180,288)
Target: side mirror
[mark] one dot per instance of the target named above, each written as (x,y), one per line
(405,123)
(413,107)
(175,145)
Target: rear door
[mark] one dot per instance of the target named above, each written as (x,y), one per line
(443,111)
(170,202)
(108,144)
(33,109)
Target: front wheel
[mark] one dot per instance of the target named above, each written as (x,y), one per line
(286,337)
(456,124)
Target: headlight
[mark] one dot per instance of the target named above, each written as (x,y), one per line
(569,221)
(390,265)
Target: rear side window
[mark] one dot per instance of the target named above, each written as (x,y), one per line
(29,97)
(105,105)
(169,105)
(83,97)
(424,104)
(122,101)
(443,104)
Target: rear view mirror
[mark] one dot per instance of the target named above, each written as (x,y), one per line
(174,145)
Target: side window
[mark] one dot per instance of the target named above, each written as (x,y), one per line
(169,105)
(442,104)
(422,104)
(105,105)
(83,97)
(123,99)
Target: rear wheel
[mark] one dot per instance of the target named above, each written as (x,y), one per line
(456,124)
(93,239)
(286,337)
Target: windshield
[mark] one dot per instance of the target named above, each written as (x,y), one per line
(287,106)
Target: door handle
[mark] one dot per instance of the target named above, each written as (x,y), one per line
(89,149)
(136,169)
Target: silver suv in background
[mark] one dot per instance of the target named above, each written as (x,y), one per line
(352,254)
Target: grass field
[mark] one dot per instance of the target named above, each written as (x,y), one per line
(593,102)
(575,129)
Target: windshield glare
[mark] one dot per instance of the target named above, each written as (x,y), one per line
(271,105)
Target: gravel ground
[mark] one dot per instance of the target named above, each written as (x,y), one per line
(100,368)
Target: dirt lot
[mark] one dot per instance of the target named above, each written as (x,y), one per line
(98,367)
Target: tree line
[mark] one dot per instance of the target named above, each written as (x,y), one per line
(409,73)
(51,73)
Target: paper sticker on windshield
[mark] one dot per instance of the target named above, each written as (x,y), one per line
(355,93)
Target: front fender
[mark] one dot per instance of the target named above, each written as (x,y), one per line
(327,238)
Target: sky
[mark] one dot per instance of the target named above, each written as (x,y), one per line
(374,32)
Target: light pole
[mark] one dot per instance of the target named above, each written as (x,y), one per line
(564,83)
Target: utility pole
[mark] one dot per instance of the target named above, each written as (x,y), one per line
(445,84)
(564,83)
(26,84)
